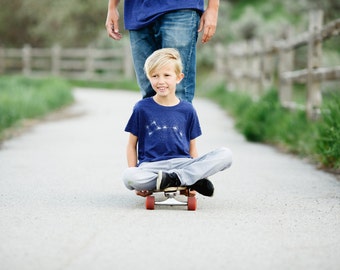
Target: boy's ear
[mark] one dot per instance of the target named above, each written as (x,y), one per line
(180,77)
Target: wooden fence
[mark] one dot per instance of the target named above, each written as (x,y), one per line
(73,63)
(254,65)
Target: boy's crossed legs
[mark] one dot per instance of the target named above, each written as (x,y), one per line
(189,171)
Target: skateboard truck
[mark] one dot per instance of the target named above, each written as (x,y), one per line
(170,194)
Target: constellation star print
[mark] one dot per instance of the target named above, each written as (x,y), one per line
(154,127)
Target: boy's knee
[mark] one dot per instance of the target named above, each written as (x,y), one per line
(227,156)
(228,153)
(127,177)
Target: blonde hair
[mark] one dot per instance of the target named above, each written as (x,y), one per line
(161,58)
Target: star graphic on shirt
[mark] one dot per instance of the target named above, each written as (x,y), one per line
(153,127)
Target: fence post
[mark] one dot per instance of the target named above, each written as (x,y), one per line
(231,70)
(219,62)
(243,62)
(26,60)
(127,63)
(2,60)
(267,64)
(56,54)
(314,98)
(286,63)
(89,72)
(224,66)
(231,80)
(255,71)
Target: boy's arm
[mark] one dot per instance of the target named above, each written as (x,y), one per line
(193,149)
(131,151)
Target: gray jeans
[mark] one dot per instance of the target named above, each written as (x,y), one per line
(189,170)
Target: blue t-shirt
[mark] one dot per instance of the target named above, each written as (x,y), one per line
(163,132)
(140,13)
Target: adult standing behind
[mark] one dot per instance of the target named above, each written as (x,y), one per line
(156,24)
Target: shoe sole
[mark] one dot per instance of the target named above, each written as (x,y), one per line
(159,180)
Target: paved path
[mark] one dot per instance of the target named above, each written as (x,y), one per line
(63,206)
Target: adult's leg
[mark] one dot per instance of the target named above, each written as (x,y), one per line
(143,44)
(178,30)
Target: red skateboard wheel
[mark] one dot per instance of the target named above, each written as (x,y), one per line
(150,202)
(192,203)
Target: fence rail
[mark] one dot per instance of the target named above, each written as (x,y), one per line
(74,63)
(251,66)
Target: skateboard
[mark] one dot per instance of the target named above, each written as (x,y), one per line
(170,194)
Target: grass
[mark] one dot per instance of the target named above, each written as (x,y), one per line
(267,122)
(328,141)
(24,98)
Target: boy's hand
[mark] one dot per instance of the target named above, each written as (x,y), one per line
(143,193)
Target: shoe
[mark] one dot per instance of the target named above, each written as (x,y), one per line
(204,187)
(165,180)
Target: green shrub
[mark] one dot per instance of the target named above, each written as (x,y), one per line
(328,142)
(257,121)
(21,98)
(266,121)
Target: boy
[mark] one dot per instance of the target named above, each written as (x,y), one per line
(161,150)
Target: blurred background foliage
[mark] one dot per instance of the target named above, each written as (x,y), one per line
(78,23)
(43,23)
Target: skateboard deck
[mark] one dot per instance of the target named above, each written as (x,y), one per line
(170,199)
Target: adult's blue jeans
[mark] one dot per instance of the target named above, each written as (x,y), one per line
(177,29)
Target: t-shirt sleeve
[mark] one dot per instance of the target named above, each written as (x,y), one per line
(132,125)
(195,127)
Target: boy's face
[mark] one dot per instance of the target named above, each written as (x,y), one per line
(164,80)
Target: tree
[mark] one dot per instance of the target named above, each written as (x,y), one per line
(43,23)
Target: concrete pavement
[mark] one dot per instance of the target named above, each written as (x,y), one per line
(63,205)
